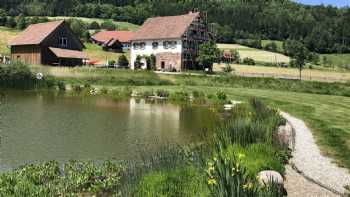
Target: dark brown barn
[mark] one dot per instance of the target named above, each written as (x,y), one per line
(51,43)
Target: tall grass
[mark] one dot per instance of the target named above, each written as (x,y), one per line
(18,75)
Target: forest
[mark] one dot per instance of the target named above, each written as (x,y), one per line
(322,29)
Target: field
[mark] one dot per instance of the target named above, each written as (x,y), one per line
(288,73)
(256,54)
(337,60)
(6,35)
(120,25)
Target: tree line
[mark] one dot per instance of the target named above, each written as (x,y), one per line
(322,29)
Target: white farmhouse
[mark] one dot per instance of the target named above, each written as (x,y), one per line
(173,40)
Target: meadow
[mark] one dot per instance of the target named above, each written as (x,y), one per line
(256,54)
(6,35)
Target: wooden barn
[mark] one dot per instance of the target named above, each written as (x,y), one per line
(51,43)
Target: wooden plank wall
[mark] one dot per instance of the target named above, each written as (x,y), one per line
(29,54)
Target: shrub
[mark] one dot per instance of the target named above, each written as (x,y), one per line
(162,93)
(77,88)
(109,25)
(179,96)
(221,96)
(248,61)
(227,68)
(271,46)
(94,25)
(61,85)
(123,61)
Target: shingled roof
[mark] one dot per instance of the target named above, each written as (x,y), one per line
(121,36)
(36,33)
(167,27)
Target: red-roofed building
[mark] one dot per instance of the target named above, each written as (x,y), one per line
(51,43)
(113,40)
(173,40)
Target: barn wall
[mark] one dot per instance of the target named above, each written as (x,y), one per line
(29,54)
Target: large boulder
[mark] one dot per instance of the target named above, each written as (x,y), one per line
(268,176)
(284,136)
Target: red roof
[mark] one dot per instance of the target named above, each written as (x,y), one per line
(36,33)
(65,53)
(165,27)
(121,36)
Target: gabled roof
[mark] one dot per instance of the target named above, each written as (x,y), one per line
(65,53)
(165,27)
(36,33)
(121,36)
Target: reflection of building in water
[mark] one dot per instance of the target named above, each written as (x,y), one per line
(151,118)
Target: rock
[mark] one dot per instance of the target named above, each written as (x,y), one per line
(270,176)
(284,136)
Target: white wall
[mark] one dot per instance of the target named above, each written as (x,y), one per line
(149,49)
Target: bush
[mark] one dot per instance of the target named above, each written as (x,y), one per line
(109,25)
(221,96)
(271,46)
(61,85)
(227,68)
(94,25)
(162,93)
(123,61)
(248,61)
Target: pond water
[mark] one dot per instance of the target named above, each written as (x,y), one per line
(44,126)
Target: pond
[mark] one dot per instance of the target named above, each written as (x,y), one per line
(45,126)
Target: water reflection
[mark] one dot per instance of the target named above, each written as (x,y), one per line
(43,126)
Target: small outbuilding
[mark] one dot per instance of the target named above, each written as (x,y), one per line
(51,43)
(113,40)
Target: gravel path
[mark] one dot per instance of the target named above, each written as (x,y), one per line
(297,186)
(310,163)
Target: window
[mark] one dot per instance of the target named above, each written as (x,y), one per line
(136,46)
(155,45)
(142,45)
(169,44)
(63,41)
(166,45)
(173,44)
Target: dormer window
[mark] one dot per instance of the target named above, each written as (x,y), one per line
(63,41)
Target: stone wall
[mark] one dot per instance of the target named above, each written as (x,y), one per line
(168,61)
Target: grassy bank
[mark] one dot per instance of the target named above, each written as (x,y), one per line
(6,35)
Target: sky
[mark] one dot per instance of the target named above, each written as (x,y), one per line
(338,3)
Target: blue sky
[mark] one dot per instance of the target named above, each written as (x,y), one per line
(339,3)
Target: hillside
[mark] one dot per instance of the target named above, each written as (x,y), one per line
(120,25)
